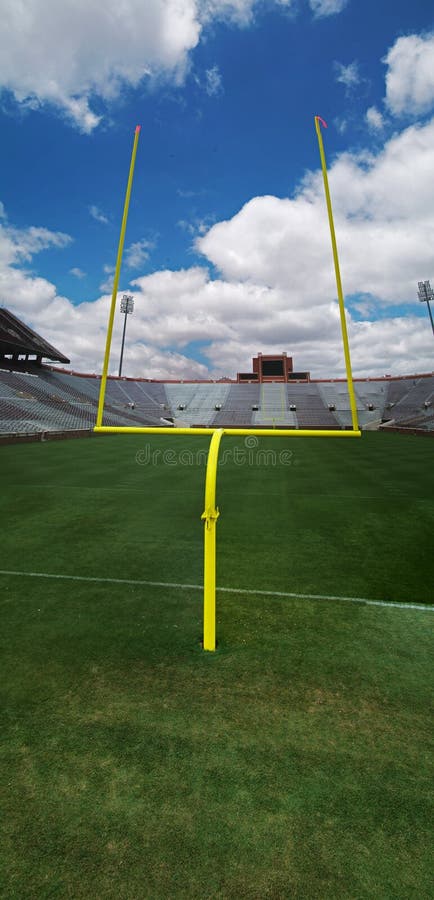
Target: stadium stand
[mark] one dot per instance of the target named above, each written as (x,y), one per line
(312,411)
(44,399)
(237,411)
(397,390)
(335,398)
(416,401)
(195,404)
(36,399)
(370,402)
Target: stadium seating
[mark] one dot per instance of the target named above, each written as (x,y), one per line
(44,400)
(410,404)
(312,411)
(36,399)
(195,404)
(237,410)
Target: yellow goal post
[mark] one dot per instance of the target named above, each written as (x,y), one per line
(211,512)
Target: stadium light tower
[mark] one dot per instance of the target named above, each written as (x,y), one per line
(127,307)
(425,294)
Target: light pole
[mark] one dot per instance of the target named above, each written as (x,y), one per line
(127,307)
(425,294)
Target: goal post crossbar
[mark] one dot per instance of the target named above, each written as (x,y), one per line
(258,432)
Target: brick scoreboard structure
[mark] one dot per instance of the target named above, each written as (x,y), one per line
(272,367)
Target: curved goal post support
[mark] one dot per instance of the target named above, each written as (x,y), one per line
(211,512)
(210,515)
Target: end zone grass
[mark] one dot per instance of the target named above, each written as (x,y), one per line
(293,762)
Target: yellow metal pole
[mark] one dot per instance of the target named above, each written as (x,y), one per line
(259,432)
(210,515)
(116,281)
(352,397)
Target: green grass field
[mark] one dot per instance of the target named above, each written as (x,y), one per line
(295,762)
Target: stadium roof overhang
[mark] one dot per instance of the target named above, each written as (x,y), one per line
(16,338)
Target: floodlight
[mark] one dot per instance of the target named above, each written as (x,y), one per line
(127,304)
(127,307)
(425,294)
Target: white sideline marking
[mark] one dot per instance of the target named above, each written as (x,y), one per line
(226,590)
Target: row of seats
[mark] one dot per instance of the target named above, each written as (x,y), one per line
(42,398)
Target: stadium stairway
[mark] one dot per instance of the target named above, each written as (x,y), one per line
(273,409)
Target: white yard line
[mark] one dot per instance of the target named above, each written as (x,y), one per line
(226,590)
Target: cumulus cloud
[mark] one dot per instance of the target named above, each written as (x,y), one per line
(78,330)
(275,289)
(19,245)
(71,52)
(410,75)
(383,212)
(78,55)
(77,272)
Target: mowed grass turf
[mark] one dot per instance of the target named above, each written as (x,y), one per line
(292,763)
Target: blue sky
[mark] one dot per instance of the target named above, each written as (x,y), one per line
(226,251)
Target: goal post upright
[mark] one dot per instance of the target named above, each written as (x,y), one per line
(318,122)
(116,280)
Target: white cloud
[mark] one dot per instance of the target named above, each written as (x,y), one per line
(374,119)
(340,124)
(349,75)
(18,245)
(138,253)
(98,215)
(322,8)
(77,273)
(238,11)
(78,55)
(410,75)
(68,53)
(106,285)
(213,82)
(276,289)
(383,208)
(198,225)
(77,110)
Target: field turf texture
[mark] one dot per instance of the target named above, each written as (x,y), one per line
(296,760)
